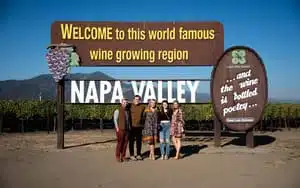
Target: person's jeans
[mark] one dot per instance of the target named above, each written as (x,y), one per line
(164,138)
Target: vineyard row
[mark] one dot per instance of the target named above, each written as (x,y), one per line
(28,109)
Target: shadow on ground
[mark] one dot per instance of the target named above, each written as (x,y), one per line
(188,150)
(211,134)
(259,140)
(239,138)
(93,143)
(185,151)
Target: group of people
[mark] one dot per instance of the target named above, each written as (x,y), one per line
(135,123)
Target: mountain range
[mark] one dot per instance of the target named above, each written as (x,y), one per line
(45,86)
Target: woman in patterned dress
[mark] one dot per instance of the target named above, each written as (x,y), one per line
(150,131)
(177,127)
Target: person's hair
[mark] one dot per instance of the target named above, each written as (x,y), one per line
(148,102)
(176,101)
(138,97)
(124,99)
(148,105)
(162,108)
(153,101)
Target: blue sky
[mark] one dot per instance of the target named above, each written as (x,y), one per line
(272,29)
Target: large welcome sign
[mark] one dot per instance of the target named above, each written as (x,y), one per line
(76,43)
(239,88)
(95,91)
(142,43)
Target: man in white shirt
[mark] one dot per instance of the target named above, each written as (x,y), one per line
(122,121)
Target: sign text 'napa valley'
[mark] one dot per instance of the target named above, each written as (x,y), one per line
(90,91)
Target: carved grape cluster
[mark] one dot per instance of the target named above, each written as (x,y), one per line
(58,62)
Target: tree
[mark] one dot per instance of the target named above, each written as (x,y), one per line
(24,110)
(2,112)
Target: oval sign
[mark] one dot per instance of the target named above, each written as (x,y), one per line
(239,88)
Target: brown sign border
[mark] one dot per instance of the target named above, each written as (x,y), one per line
(212,94)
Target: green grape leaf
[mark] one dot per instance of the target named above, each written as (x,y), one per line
(238,57)
(74,59)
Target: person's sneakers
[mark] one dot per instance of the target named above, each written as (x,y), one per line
(139,158)
(133,158)
(166,157)
(162,157)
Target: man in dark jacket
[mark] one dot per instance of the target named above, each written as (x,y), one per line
(136,110)
(122,121)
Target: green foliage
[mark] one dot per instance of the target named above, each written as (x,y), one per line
(29,109)
(8,107)
(94,112)
(108,110)
(207,111)
(268,113)
(188,112)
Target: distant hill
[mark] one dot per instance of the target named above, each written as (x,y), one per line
(31,88)
(289,101)
(44,84)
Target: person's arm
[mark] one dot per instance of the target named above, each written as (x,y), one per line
(171,114)
(143,119)
(181,119)
(130,119)
(116,117)
(159,116)
(156,119)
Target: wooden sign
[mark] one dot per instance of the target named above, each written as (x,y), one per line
(239,88)
(142,43)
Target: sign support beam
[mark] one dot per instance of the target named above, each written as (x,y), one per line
(60,87)
(249,138)
(217,132)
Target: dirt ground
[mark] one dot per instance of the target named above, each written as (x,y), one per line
(31,160)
